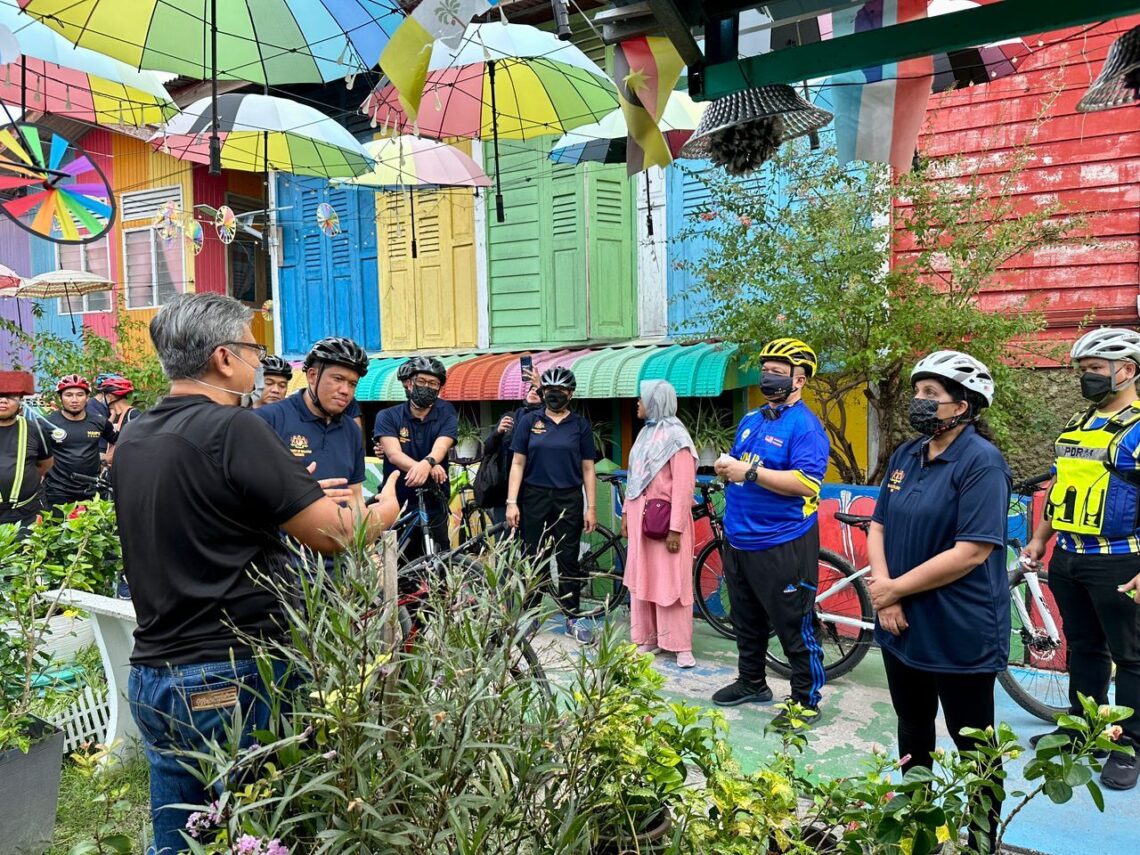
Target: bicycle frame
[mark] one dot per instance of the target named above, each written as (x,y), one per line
(842,585)
(1033,583)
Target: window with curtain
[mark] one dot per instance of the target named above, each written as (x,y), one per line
(94,257)
(154,268)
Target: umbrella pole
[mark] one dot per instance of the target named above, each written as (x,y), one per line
(412,207)
(215,142)
(499,215)
(648,207)
(70,314)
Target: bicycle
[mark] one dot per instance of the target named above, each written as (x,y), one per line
(473,519)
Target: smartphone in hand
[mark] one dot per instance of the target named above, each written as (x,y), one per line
(526,365)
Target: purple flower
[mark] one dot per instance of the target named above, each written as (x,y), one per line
(276,847)
(248,845)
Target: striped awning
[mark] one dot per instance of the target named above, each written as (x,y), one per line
(695,370)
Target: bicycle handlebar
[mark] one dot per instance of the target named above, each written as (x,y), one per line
(1030,485)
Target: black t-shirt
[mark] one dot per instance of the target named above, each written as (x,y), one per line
(201,491)
(28,502)
(554,450)
(76,450)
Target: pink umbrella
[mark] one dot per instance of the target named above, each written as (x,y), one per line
(10,280)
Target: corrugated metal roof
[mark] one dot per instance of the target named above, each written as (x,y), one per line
(478,379)
(613,372)
(511,386)
(389,388)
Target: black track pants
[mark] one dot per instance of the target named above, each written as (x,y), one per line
(775,589)
(552,521)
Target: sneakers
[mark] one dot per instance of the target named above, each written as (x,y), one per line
(1119,772)
(580,630)
(648,649)
(785,722)
(685,659)
(742,692)
(1068,734)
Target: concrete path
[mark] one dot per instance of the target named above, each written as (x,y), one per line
(857,717)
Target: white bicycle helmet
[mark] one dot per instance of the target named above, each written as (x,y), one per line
(959,367)
(1111,343)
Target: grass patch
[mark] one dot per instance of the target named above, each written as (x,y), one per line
(80,814)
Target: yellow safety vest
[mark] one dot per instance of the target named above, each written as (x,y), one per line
(1089,495)
(21,460)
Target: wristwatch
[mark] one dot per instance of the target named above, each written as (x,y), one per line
(750,475)
(431,460)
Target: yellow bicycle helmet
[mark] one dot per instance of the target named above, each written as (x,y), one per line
(793,351)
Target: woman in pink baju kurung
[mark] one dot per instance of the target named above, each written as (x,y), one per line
(658,573)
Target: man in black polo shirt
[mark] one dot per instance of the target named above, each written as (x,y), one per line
(312,422)
(203,489)
(77,437)
(25,452)
(415,437)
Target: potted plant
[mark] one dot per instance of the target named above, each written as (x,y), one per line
(712,433)
(31,750)
(469,442)
(78,542)
(603,434)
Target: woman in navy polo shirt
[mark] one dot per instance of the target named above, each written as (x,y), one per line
(553,461)
(937,550)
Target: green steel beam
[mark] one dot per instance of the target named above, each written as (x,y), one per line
(955,31)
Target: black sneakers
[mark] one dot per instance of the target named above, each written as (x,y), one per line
(1119,772)
(742,692)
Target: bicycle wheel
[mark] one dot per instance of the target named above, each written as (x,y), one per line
(602,562)
(710,591)
(1037,677)
(844,619)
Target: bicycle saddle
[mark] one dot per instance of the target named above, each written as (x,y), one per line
(853,519)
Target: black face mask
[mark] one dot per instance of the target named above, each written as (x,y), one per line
(924,417)
(776,387)
(555,399)
(1095,387)
(423,396)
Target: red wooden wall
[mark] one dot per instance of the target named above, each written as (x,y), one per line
(1090,163)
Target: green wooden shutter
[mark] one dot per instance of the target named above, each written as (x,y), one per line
(564,283)
(514,247)
(609,230)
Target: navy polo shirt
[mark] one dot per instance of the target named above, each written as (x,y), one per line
(416,437)
(336,446)
(554,450)
(925,507)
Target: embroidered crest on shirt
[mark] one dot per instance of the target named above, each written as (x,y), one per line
(894,484)
(58,435)
(745,433)
(538,427)
(299,445)
(405,435)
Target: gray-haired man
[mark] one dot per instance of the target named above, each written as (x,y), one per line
(202,489)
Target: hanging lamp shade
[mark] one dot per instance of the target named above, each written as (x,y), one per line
(1119,80)
(742,130)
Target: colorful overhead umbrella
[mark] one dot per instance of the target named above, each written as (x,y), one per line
(605,141)
(64,284)
(10,281)
(48,74)
(261,132)
(264,41)
(406,161)
(504,80)
(411,162)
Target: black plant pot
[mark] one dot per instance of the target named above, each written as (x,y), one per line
(654,839)
(29,792)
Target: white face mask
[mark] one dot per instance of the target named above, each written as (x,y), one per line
(245,399)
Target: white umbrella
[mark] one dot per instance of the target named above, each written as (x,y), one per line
(64,284)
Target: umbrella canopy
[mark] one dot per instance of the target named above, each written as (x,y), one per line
(407,161)
(48,74)
(262,41)
(261,132)
(10,281)
(509,80)
(605,141)
(64,283)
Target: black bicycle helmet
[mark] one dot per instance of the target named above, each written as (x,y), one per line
(338,351)
(277,366)
(425,365)
(406,371)
(563,378)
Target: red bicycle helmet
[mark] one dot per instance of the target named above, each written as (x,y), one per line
(115,385)
(72,381)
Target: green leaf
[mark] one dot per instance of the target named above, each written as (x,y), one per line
(1058,791)
(1077,775)
(1096,794)
(1053,741)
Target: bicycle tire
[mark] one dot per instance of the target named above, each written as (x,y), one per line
(603,568)
(842,651)
(1043,692)
(710,591)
